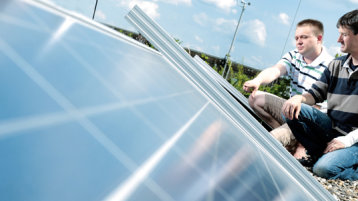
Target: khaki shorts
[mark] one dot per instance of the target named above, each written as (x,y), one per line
(273,105)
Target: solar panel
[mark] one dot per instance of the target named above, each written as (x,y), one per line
(89,114)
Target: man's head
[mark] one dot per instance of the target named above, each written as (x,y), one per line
(348,32)
(309,36)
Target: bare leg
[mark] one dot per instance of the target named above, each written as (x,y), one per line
(300,152)
(257,104)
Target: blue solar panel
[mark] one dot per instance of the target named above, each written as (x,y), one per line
(89,114)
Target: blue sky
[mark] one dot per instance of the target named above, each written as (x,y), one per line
(209,25)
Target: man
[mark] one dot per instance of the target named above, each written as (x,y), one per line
(303,66)
(334,134)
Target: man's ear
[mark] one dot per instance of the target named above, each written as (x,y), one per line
(320,38)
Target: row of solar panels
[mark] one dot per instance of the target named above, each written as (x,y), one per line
(89,114)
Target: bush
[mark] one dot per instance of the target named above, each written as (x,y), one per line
(237,79)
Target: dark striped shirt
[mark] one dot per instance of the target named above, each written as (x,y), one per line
(339,85)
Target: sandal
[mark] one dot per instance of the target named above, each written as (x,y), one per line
(308,161)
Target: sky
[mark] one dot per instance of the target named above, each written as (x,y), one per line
(266,29)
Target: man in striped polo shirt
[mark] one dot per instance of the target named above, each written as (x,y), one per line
(334,134)
(303,66)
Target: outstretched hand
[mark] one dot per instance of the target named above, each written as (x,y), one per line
(292,107)
(251,86)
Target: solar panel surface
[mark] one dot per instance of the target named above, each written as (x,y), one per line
(88,114)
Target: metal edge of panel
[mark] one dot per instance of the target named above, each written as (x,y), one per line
(88,22)
(184,62)
(221,80)
(229,88)
(242,99)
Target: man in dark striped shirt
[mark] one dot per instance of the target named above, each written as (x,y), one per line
(331,137)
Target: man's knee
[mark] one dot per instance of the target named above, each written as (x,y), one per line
(257,101)
(326,167)
(251,101)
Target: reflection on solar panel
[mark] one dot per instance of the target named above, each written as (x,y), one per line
(88,114)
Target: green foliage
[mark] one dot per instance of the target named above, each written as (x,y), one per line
(337,55)
(237,79)
(280,89)
(218,69)
(204,57)
(178,41)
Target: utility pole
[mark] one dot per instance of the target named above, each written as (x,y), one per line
(94,11)
(227,56)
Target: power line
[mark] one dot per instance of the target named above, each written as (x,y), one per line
(233,40)
(94,11)
(288,35)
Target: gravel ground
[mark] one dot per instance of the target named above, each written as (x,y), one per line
(340,189)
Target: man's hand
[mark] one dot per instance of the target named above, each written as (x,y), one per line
(334,145)
(251,86)
(292,107)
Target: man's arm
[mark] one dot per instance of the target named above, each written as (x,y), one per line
(264,77)
(292,107)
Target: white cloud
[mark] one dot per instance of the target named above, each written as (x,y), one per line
(284,18)
(197,38)
(192,46)
(216,49)
(224,25)
(254,31)
(201,19)
(176,2)
(255,61)
(150,8)
(223,4)
(354,1)
(100,15)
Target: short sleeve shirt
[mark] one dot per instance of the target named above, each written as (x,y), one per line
(301,74)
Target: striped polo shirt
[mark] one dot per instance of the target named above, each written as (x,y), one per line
(339,85)
(301,74)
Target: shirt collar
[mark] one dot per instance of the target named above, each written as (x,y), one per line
(346,63)
(324,57)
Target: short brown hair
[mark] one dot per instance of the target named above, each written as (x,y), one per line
(319,30)
(349,20)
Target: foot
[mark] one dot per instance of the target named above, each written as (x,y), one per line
(300,152)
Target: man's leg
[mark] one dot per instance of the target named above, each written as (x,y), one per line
(284,135)
(269,105)
(339,164)
(312,129)
(258,103)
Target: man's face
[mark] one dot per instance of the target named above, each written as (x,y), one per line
(349,41)
(306,40)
